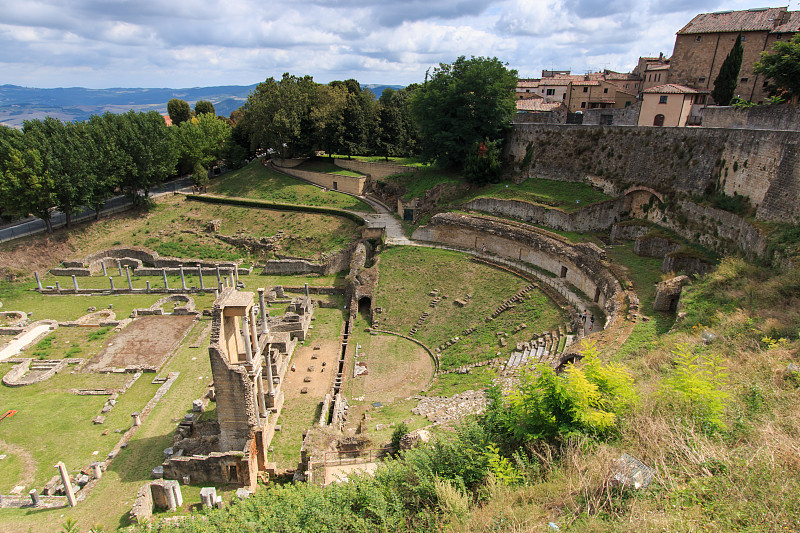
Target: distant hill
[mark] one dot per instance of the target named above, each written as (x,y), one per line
(18,104)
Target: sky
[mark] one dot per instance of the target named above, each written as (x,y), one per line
(197,43)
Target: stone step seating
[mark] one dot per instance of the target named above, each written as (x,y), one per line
(513,301)
(43,366)
(419,323)
(544,348)
(159,380)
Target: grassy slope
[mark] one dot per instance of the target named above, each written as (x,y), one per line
(257,181)
(565,195)
(407,275)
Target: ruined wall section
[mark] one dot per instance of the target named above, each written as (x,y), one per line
(580,265)
(760,164)
(595,217)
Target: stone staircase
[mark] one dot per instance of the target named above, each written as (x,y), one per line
(545,348)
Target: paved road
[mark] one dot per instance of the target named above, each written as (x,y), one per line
(35,225)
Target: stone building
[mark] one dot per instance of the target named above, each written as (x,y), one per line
(249,356)
(672,105)
(703,44)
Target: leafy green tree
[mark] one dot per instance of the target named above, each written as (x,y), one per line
(463,103)
(327,115)
(179,111)
(202,107)
(25,188)
(483,164)
(150,152)
(202,140)
(275,113)
(728,77)
(781,67)
(397,435)
(108,162)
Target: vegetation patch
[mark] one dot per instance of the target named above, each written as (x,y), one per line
(566,195)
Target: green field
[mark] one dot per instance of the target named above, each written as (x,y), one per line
(565,195)
(408,274)
(259,182)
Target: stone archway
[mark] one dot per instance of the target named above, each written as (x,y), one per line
(639,196)
(365,308)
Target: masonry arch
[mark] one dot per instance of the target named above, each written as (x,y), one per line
(637,197)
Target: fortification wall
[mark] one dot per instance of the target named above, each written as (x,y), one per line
(762,165)
(763,117)
(336,182)
(623,116)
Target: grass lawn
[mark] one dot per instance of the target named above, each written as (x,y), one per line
(407,275)
(644,273)
(405,161)
(327,166)
(259,182)
(426,178)
(452,384)
(565,195)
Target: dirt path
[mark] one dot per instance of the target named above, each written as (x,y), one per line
(28,464)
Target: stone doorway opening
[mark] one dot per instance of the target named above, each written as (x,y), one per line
(365,308)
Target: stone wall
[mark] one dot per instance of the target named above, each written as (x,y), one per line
(373,170)
(335,182)
(335,263)
(763,117)
(628,231)
(559,116)
(762,165)
(577,264)
(213,468)
(623,116)
(654,246)
(595,217)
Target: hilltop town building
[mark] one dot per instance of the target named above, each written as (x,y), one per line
(703,44)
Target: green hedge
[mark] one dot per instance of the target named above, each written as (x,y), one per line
(279,207)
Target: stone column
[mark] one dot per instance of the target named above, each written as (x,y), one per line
(38,281)
(236,274)
(216,293)
(75,282)
(119,266)
(219,278)
(128,274)
(103,266)
(200,274)
(176,490)
(262,306)
(148,286)
(97,471)
(208,495)
(164,273)
(58,287)
(111,282)
(262,406)
(137,419)
(254,332)
(34,497)
(62,469)
(170,496)
(268,360)
(183,280)
(248,350)
(307,291)
(233,283)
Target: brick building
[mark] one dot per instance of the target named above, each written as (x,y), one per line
(703,44)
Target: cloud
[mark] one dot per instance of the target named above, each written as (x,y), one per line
(97,43)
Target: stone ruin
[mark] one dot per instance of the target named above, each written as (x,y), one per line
(250,356)
(668,293)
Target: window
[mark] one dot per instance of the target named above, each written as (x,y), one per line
(551,92)
(626,85)
(583,104)
(586,89)
(698,38)
(700,99)
(766,84)
(564,96)
(779,36)
(605,90)
(701,80)
(744,80)
(744,38)
(635,85)
(658,120)
(662,99)
(628,103)
(527,90)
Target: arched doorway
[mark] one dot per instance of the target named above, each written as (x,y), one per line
(658,120)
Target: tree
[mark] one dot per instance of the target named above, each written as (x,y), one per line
(203,106)
(150,152)
(781,67)
(463,103)
(202,141)
(24,186)
(483,163)
(179,111)
(108,163)
(728,77)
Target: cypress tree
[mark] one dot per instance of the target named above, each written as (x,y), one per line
(725,84)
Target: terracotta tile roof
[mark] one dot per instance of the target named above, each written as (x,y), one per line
(673,88)
(537,105)
(765,19)
(791,25)
(583,83)
(650,68)
(528,83)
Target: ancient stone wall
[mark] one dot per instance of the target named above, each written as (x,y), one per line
(762,165)
(336,182)
(579,265)
(213,468)
(595,217)
(374,170)
(330,265)
(236,409)
(763,117)
(623,116)
(628,231)
(653,246)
